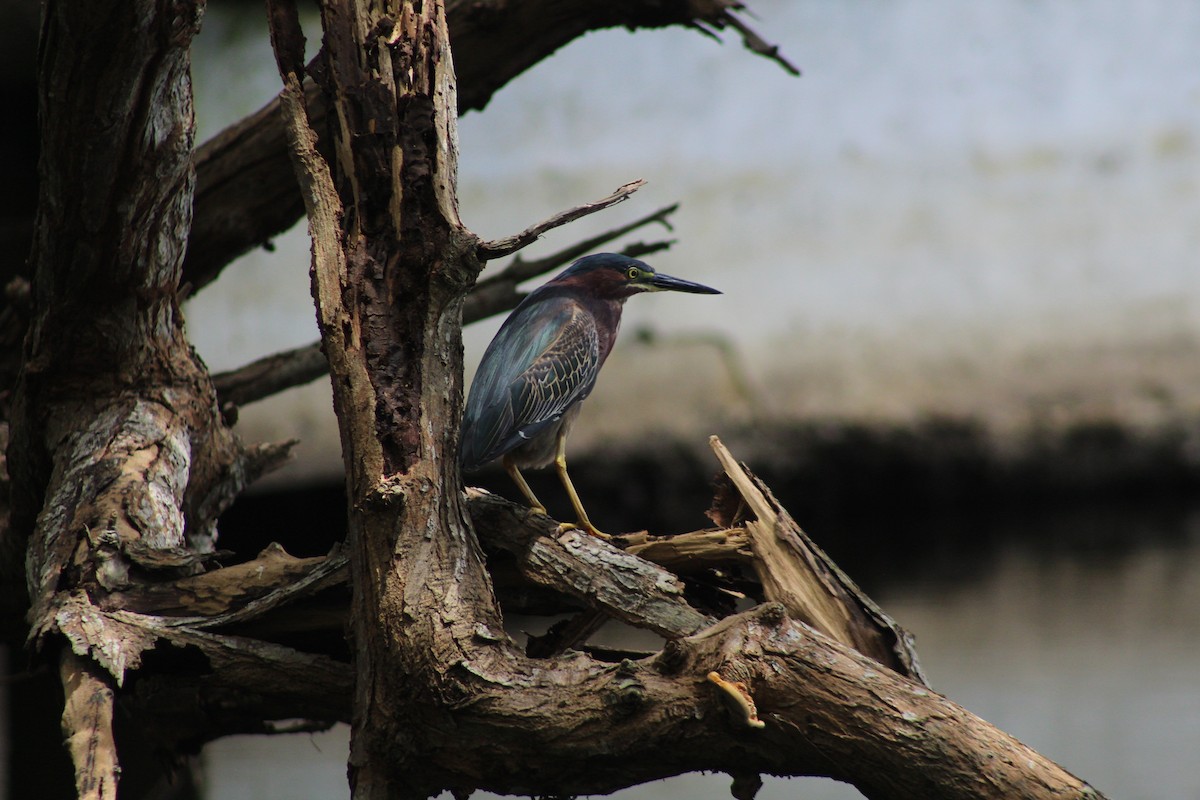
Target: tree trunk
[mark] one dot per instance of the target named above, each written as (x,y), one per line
(118,459)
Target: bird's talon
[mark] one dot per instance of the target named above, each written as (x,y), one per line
(563,527)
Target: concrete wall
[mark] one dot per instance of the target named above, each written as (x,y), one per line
(988,210)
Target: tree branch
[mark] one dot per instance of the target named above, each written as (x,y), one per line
(498,248)
(826,709)
(430,651)
(246,192)
(270,375)
(586,568)
(519,270)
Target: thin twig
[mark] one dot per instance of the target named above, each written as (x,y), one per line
(520,270)
(753,42)
(511,244)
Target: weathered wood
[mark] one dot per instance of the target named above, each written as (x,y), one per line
(389,277)
(119,460)
(593,571)
(121,465)
(684,553)
(795,572)
(430,653)
(87,725)
(272,579)
(242,679)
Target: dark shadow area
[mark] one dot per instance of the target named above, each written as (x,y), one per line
(887,503)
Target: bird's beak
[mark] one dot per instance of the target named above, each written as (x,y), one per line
(665,283)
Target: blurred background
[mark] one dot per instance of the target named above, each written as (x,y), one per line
(960,337)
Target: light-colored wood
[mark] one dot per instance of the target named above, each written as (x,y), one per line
(87,721)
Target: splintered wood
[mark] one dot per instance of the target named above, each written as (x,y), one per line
(795,572)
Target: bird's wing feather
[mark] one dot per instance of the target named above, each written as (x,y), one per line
(530,375)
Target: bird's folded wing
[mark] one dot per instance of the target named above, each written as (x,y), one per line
(534,371)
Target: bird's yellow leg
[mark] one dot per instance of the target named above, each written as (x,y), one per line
(560,464)
(534,504)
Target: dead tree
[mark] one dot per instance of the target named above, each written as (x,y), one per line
(121,461)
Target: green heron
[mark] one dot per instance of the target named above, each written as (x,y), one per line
(543,364)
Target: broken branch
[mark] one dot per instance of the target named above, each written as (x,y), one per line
(795,572)
(497,248)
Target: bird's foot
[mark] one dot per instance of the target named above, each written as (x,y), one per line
(585,526)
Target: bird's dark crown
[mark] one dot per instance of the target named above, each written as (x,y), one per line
(608,275)
(613,276)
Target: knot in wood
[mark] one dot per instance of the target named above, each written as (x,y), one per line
(626,696)
(673,657)
(772,614)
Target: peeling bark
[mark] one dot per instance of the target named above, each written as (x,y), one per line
(119,461)
(795,572)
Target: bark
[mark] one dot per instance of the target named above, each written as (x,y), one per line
(87,724)
(119,463)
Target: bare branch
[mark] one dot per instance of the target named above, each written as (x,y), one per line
(271,375)
(511,244)
(520,270)
(586,568)
(237,593)
(755,43)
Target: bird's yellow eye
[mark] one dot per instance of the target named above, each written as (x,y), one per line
(633,273)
